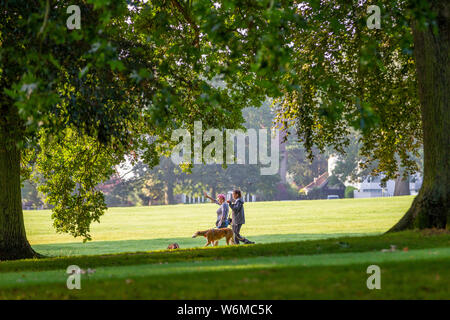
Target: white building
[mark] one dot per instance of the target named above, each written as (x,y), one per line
(371,187)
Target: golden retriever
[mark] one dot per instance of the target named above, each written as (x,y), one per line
(214,235)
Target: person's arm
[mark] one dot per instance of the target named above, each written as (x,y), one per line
(236,206)
(206,196)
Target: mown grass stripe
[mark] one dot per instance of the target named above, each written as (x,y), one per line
(410,239)
(19,279)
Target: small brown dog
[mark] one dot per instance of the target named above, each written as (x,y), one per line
(173,246)
(214,235)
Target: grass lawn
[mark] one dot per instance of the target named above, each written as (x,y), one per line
(323,269)
(153,228)
(305,250)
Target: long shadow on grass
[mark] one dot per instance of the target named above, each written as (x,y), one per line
(107,247)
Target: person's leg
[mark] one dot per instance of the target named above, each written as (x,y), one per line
(241,238)
(237,235)
(236,229)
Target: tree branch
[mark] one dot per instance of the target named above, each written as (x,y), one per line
(190,21)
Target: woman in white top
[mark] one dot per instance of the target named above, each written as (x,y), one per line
(222,212)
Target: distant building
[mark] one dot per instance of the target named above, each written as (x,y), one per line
(323,186)
(371,187)
(318,182)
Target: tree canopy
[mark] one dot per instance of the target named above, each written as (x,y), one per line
(75,102)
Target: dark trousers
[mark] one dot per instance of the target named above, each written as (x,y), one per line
(237,236)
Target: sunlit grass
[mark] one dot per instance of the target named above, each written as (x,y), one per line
(419,268)
(280,221)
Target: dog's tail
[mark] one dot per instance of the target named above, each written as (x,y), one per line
(200,233)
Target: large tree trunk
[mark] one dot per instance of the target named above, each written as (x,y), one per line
(431,207)
(13,240)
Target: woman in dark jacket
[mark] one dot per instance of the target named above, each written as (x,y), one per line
(238,217)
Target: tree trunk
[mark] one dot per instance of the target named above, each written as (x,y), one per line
(431,207)
(284,157)
(213,192)
(168,194)
(401,186)
(13,240)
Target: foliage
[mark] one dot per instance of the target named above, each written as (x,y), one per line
(136,71)
(213,178)
(352,166)
(334,181)
(292,191)
(155,184)
(121,193)
(132,74)
(316,193)
(347,165)
(71,168)
(341,88)
(348,193)
(302,169)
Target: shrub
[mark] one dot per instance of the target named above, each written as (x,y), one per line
(349,192)
(316,193)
